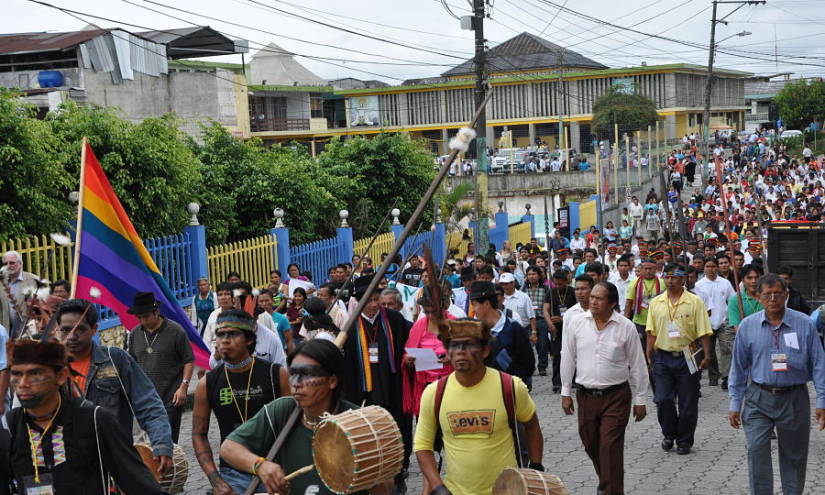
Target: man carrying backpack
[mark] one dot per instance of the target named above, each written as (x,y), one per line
(475,410)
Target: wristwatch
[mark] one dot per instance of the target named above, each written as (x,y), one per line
(186,382)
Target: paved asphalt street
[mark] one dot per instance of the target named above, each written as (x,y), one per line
(717,465)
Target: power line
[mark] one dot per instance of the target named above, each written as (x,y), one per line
(243,26)
(349,31)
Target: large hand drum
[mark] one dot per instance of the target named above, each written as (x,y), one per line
(357,449)
(173,482)
(513,481)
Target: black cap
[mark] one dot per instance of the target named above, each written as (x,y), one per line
(481,289)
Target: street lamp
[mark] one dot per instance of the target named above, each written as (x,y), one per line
(741,35)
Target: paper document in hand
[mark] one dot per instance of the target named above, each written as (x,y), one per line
(690,358)
(425,359)
(295,283)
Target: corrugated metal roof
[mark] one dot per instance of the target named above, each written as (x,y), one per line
(527,52)
(44,42)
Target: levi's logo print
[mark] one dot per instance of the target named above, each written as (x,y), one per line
(469,422)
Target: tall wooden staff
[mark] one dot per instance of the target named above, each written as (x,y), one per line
(464,138)
(718,163)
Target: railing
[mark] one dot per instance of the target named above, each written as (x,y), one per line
(519,233)
(316,258)
(173,255)
(383,244)
(252,258)
(264,124)
(414,245)
(43,257)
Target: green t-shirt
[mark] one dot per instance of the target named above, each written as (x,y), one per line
(259,433)
(650,289)
(749,304)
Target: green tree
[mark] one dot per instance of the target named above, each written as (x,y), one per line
(33,185)
(631,111)
(385,170)
(150,166)
(801,103)
(245,182)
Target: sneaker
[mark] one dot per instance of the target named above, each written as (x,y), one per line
(667,444)
(542,372)
(724,383)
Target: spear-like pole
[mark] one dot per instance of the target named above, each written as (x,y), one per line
(341,339)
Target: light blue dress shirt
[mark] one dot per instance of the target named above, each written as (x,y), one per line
(756,341)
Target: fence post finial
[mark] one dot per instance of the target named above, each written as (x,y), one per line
(193,209)
(279,215)
(527,207)
(395,213)
(500,206)
(437,215)
(344,214)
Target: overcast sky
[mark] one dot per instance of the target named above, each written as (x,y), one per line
(434,41)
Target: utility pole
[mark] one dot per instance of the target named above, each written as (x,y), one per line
(560,97)
(482,192)
(709,81)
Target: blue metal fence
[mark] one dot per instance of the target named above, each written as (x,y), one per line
(173,256)
(316,258)
(414,245)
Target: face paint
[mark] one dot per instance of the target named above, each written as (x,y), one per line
(308,375)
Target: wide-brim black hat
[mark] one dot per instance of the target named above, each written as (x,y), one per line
(360,284)
(144,302)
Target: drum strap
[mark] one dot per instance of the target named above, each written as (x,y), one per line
(508,392)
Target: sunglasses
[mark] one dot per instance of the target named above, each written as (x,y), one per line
(464,346)
(228,334)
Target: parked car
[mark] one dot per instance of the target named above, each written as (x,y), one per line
(790,134)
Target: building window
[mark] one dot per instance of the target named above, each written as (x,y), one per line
(316,106)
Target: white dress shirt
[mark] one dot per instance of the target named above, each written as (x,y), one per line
(571,312)
(521,306)
(603,358)
(715,294)
(577,244)
(621,285)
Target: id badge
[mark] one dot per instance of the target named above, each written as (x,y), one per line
(562,310)
(645,302)
(373,350)
(673,330)
(779,362)
(45,487)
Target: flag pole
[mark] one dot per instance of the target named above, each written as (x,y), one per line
(79,229)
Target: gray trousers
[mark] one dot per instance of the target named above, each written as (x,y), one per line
(724,348)
(790,413)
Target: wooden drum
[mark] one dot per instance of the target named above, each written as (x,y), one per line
(173,482)
(357,449)
(514,481)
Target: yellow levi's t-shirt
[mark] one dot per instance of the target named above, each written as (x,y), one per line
(478,442)
(689,314)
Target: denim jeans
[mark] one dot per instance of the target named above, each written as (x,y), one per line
(543,344)
(238,480)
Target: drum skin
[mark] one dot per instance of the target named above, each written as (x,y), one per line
(357,449)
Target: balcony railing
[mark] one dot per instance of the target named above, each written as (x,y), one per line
(264,124)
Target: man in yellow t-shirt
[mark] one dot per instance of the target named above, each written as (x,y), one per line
(473,419)
(675,320)
(637,299)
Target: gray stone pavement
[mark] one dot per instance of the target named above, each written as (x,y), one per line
(716,466)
